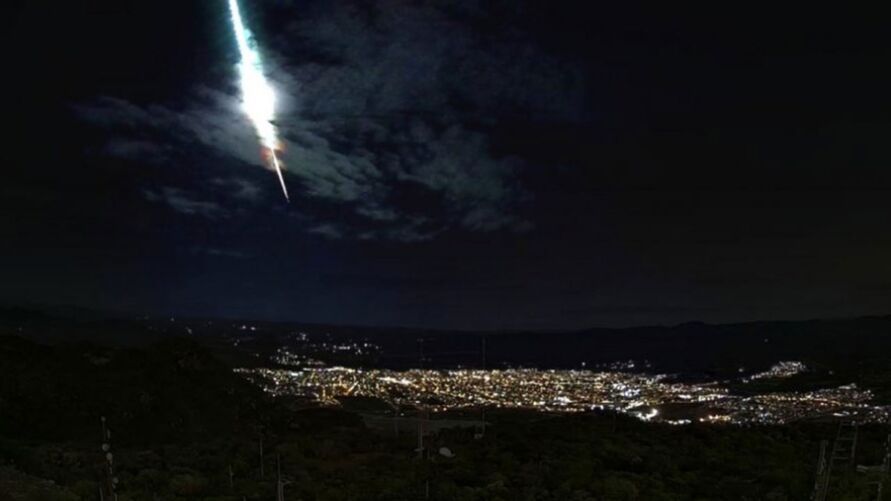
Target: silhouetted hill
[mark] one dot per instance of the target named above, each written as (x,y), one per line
(169,390)
(854,349)
(705,347)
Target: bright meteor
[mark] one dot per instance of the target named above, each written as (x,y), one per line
(257,96)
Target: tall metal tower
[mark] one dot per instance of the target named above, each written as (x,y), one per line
(821,472)
(841,460)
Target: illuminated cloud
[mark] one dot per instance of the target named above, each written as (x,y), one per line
(391,118)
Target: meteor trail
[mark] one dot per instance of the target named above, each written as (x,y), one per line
(257,96)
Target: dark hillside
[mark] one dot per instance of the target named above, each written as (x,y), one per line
(171,390)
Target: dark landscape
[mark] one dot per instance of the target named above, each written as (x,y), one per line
(449,250)
(187,427)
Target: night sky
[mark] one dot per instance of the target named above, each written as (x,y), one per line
(473,165)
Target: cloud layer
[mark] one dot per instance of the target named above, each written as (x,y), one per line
(387,121)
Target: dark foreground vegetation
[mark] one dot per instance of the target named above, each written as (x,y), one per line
(186,427)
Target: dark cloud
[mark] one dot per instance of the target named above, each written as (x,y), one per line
(328,230)
(220,252)
(240,188)
(182,202)
(138,149)
(401,97)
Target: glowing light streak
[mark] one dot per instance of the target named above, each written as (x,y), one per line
(257,95)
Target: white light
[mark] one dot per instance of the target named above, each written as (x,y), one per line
(257,95)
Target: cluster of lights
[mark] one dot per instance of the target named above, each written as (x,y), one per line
(847,402)
(779,370)
(441,390)
(302,351)
(641,395)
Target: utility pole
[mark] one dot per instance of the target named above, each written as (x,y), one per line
(262,472)
(110,480)
(422,417)
(395,405)
(280,482)
(422,408)
(483,412)
(886,463)
(279,487)
(422,421)
(821,472)
(421,353)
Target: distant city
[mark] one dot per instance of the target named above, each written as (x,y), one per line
(618,387)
